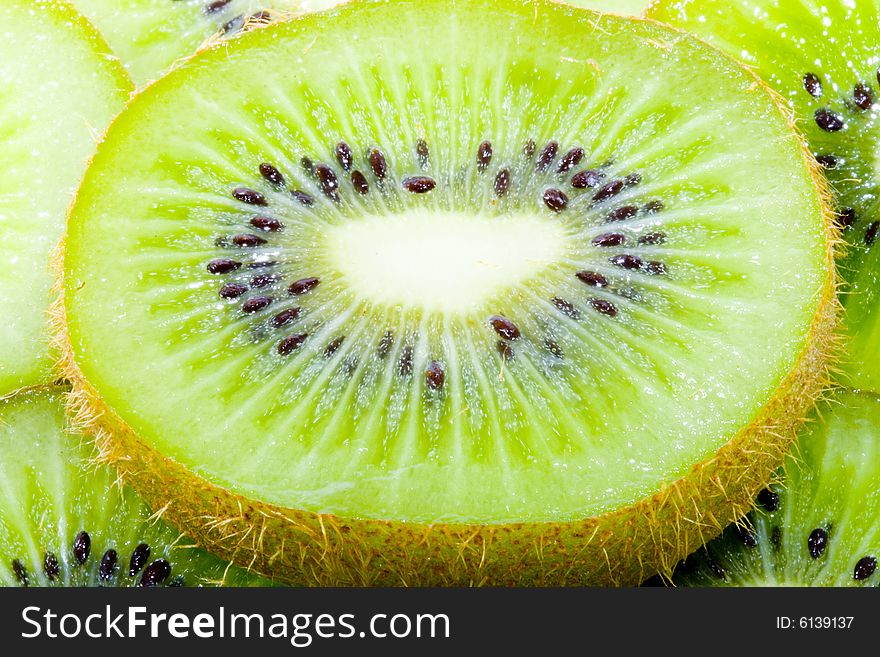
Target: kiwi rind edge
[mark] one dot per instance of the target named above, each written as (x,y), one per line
(622,547)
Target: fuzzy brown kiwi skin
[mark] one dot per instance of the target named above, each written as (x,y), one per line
(623,547)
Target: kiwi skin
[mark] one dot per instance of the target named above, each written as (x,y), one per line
(623,547)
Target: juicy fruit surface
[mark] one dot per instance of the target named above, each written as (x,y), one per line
(65,522)
(824,60)
(615,6)
(150,35)
(269,240)
(820,527)
(50,59)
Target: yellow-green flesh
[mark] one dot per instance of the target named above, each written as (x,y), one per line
(59,89)
(50,493)
(591,413)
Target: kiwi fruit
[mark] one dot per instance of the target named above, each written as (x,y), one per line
(60,88)
(631,7)
(65,521)
(819,526)
(150,35)
(822,59)
(432,317)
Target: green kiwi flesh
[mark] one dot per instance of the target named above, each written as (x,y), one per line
(65,521)
(380,275)
(59,89)
(823,59)
(818,527)
(627,7)
(150,35)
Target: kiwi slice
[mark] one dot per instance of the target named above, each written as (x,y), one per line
(819,526)
(150,35)
(431,315)
(823,59)
(59,89)
(633,7)
(66,522)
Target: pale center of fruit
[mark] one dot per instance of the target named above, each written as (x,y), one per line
(441,260)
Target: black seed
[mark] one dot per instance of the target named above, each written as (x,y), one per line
(608,190)
(502,182)
(587,179)
(626,261)
(570,160)
(623,213)
(360,184)
(216,6)
(652,238)
(747,536)
(385,344)
(404,366)
(248,241)
(813,85)
(156,573)
(505,350)
(264,280)
(655,267)
(233,25)
(419,184)
(769,500)
(271,174)
(378,164)
(50,566)
(776,537)
(604,307)
(247,195)
(554,348)
(82,545)
(817,541)
(267,223)
(827,161)
(307,165)
(108,565)
(286,317)
(21,573)
(566,307)
(555,199)
(333,347)
(223,266)
(871,233)
(653,207)
(232,291)
(423,153)
(328,181)
(504,327)
(139,558)
(302,198)
(865,568)
(256,304)
(863,96)
(484,156)
(546,156)
(633,179)
(846,217)
(291,343)
(878,76)
(609,239)
(303,285)
(716,569)
(263,16)
(261,264)
(344,155)
(828,120)
(592,278)
(529,147)
(435,377)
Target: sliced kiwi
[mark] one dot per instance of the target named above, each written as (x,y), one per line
(819,526)
(631,7)
(474,291)
(823,59)
(67,522)
(59,88)
(150,35)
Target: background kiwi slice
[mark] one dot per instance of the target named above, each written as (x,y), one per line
(416,305)
(818,528)
(823,59)
(632,7)
(65,521)
(59,89)
(150,35)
